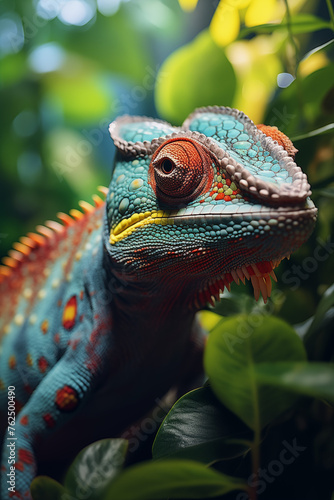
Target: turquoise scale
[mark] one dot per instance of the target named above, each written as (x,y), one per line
(231,135)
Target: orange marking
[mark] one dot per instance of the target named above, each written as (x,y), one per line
(70,312)
(76,214)
(278,136)
(66,219)
(29,360)
(22,248)
(45,326)
(86,207)
(97,200)
(55,226)
(103,190)
(12,362)
(37,238)
(45,231)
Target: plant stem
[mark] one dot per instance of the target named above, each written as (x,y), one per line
(292,40)
(256,441)
(331,12)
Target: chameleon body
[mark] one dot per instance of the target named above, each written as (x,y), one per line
(98,313)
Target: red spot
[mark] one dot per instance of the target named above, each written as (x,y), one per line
(228,198)
(16,494)
(264,267)
(42,364)
(26,456)
(228,182)
(81,295)
(24,420)
(221,196)
(18,406)
(219,185)
(56,338)
(49,420)
(28,388)
(19,466)
(69,313)
(67,398)
(74,344)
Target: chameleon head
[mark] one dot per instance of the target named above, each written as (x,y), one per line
(200,206)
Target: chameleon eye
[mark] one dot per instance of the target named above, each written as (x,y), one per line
(179,170)
(167,166)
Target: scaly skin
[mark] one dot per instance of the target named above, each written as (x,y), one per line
(98,313)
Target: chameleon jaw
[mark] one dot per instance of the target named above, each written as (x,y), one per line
(259,274)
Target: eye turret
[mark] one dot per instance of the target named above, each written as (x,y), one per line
(180,170)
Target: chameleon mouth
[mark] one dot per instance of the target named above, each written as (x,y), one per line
(259,275)
(128,226)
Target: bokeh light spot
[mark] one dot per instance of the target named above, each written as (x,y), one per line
(25,123)
(11,34)
(47,57)
(108,7)
(77,12)
(284,80)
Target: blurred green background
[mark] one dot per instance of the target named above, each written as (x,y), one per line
(69,67)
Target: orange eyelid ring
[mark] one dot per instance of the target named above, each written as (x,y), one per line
(180,170)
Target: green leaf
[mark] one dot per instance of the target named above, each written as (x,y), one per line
(170,479)
(230,358)
(95,466)
(319,335)
(198,74)
(327,193)
(318,49)
(299,105)
(311,379)
(319,131)
(44,487)
(325,303)
(299,23)
(198,427)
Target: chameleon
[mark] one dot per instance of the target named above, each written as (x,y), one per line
(98,311)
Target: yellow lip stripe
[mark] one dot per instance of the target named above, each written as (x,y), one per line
(128,226)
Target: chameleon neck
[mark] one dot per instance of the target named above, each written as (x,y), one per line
(149,311)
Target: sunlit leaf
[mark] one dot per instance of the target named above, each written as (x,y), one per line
(299,23)
(256,63)
(170,479)
(260,12)
(225,24)
(198,427)
(95,466)
(231,354)
(188,5)
(82,95)
(198,74)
